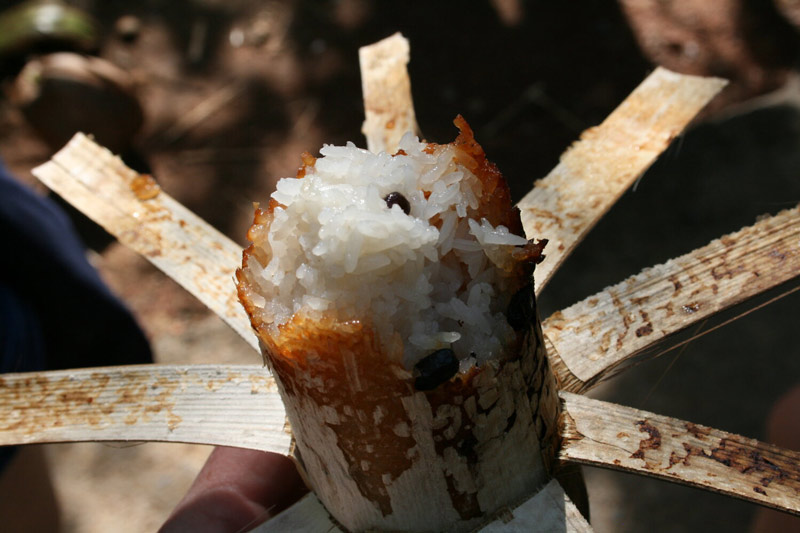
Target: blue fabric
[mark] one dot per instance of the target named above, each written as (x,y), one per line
(21,345)
(55,311)
(21,340)
(44,263)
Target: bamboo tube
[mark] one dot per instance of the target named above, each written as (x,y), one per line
(380,454)
(379,450)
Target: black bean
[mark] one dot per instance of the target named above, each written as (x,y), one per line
(466,448)
(521,308)
(435,369)
(510,422)
(395,198)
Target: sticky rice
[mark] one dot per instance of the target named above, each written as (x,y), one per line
(440,276)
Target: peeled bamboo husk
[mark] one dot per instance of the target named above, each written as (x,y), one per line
(635,314)
(381,455)
(623,438)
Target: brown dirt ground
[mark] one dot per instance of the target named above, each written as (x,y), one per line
(277,78)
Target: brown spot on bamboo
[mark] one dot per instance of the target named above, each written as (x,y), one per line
(145,187)
(698,432)
(627,319)
(677,285)
(775,254)
(674,459)
(668,310)
(76,397)
(653,442)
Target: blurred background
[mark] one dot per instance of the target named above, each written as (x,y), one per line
(218,99)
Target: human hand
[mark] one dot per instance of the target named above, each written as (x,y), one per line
(236,490)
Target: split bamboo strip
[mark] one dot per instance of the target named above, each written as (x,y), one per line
(228,405)
(622,438)
(549,510)
(132,208)
(387,93)
(590,340)
(595,171)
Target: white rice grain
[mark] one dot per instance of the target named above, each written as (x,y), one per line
(431,277)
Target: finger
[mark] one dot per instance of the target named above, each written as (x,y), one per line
(236,490)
